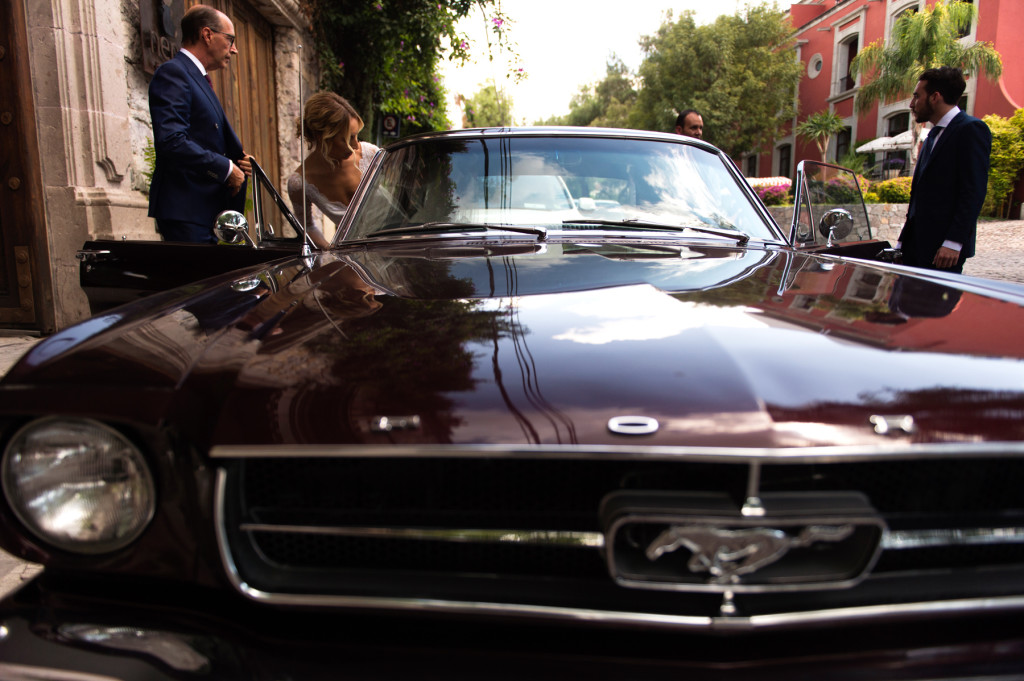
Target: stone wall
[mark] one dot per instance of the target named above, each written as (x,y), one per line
(91,101)
(886,219)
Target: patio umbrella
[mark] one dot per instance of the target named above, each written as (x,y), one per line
(878,144)
(904,140)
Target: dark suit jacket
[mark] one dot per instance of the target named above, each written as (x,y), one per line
(948,191)
(194,146)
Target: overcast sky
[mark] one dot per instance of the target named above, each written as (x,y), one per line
(564,44)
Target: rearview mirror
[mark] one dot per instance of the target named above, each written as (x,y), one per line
(232,227)
(836,225)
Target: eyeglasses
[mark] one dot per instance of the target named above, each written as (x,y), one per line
(229,36)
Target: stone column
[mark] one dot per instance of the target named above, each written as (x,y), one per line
(77,56)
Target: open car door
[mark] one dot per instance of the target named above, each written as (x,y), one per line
(829,213)
(115,272)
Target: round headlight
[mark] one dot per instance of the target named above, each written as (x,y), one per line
(78,484)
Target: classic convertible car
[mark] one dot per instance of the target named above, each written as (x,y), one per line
(556,402)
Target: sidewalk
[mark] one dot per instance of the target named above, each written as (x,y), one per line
(13,345)
(13,571)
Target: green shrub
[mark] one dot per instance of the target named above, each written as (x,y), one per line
(896,190)
(871,197)
(858,163)
(1006,161)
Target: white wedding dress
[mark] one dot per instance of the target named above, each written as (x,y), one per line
(333,210)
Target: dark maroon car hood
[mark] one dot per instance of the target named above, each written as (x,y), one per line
(518,344)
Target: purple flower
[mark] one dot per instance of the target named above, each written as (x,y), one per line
(464,44)
(774,194)
(496,21)
(379,6)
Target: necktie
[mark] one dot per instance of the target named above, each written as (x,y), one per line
(922,161)
(210,80)
(926,151)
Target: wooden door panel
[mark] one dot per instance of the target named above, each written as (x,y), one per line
(22,233)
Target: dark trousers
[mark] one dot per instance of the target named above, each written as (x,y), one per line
(910,253)
(177,230)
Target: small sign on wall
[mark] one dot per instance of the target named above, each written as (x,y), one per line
(391,125)
(160,31)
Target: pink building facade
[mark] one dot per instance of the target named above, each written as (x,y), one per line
(829,33)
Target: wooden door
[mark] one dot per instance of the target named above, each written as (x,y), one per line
(23,264)
(248,93)
(247,88)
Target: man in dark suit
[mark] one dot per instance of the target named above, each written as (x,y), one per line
(195,177)
(950,179)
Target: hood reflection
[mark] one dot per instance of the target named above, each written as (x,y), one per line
(554,357)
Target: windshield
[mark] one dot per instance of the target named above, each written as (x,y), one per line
(560,183)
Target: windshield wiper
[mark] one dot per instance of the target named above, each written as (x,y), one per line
(634,223)
(445,226)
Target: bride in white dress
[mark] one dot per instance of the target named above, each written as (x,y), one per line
(335,163)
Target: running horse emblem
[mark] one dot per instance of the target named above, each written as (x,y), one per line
(727,554)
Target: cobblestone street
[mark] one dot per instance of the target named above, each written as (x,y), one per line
(999,251)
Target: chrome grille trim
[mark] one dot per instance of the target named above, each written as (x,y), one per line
(888,451)
(920,539)
(537,537)
(891,540)
(682,622)
(775,621)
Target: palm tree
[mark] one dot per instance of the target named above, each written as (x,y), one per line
(920,41)
(820,127)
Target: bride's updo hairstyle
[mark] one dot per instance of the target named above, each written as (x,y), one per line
(328,115)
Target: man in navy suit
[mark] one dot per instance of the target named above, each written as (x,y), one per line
(950,179)
(200,165)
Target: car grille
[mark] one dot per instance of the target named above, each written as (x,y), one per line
(529,531)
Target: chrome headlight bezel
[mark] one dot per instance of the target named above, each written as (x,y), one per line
(78,484)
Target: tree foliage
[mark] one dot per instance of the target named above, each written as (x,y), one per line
(383,55)
(1006,161)
(488,108)
(920,41)
(606,104)
(740,72)
(820,128)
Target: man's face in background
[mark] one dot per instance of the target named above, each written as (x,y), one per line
(693,126)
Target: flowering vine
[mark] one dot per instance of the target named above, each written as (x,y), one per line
(384,55)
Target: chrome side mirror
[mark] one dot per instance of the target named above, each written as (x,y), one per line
(232,227)
(836,224)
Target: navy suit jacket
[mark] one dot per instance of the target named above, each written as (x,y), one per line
(947,193)
(194,144)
